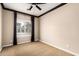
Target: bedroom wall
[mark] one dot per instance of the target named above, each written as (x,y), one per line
(60,28)
(8,24)
(0,27)
(36,29)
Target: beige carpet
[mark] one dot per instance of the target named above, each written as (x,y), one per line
(33,49)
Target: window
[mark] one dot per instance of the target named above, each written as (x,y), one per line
(23,28)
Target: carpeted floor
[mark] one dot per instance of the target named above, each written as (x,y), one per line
(33,49)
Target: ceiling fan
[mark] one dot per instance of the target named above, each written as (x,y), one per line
(36,4)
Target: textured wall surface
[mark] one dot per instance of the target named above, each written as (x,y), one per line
(0,27)
(61,28)
(8,26)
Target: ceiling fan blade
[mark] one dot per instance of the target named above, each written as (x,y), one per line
(30,8)
(38,7)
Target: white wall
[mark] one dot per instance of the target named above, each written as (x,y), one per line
(0,27)
(36,29)
(60,28)
(8,27)
(8,24)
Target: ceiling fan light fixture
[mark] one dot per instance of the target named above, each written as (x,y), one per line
(30,8)
(38,7)
(36,4)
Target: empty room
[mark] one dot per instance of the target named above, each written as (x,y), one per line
(39,29)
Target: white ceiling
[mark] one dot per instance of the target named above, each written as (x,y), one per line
(24,6)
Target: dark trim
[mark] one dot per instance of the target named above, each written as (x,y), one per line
(34,15)
(15,34)
(33,26)
(53,9)
(2,5)
(19,12)
(16,11)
